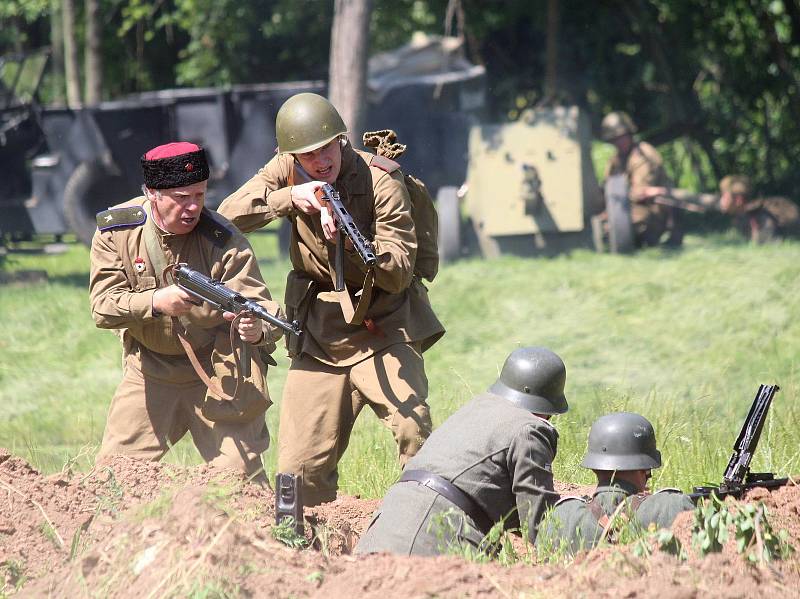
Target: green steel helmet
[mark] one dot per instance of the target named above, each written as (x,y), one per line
(622,441)
(533,378)
(616,124)
(306,122)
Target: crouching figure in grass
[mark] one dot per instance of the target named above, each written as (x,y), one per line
(490,462)
(622,452)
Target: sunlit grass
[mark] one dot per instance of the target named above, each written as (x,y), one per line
(682,337)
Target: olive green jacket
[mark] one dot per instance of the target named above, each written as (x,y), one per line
(498,454)
(571,525)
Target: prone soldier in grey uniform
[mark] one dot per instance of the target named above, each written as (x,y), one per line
(622,452)
(489,462)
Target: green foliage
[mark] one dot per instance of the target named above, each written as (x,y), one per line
(658,539)
(111,493)
(317,577)
(714,520)
(49,533)
(714,83)
(12,577)
(211,589)
(156,508)
(710,527)
(755,537)
(284,531)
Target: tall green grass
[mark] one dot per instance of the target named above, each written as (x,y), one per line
(682,337)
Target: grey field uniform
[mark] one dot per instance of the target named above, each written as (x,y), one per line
(577,523)
(497,453)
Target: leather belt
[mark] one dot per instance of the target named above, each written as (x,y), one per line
(452,493)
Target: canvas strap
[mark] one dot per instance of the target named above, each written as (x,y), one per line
(606,521)
(182,328)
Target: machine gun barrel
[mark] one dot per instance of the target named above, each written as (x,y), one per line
(745,446)
(218,295)
(738,478)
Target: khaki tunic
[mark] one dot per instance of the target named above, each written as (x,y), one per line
(161,396)
(497,453)
(571,525)
(769,219)
(643,166)
(380,206)
(337,368)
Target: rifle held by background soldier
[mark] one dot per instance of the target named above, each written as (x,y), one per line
(738,478)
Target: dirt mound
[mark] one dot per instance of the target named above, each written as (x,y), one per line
(132,528)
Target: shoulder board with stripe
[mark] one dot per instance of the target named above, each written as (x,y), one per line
(212,227)
(121,217)
(570,498)
(384,163)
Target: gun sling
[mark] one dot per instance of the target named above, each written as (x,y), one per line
(453,494)
(182,327)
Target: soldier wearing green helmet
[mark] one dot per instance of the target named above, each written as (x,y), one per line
(642,166)
(622,452)
(490,462)
(372,354)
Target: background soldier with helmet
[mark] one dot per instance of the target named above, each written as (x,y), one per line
(372,356)
(622,452)
(643,166)
(491,461)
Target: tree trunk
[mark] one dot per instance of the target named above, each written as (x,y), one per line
(551,52)
(57,51)
(71,55)
(94,58)
(348,63)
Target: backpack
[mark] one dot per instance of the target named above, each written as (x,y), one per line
(423,210)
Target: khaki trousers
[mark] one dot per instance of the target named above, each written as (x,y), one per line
(149,415)
(321,403)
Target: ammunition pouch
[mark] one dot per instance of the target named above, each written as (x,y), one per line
(251,399)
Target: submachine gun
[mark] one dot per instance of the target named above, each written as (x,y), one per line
(738,478)
(218,295)
(329,197)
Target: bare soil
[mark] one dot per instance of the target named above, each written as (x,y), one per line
(130,528)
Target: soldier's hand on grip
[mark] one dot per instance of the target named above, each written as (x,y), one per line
(250,328)
(305,200)
(173,301)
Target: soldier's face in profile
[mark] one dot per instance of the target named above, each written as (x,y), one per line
(731,203)
(178,209)
(323,164)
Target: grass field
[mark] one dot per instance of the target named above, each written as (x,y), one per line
(682,337)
